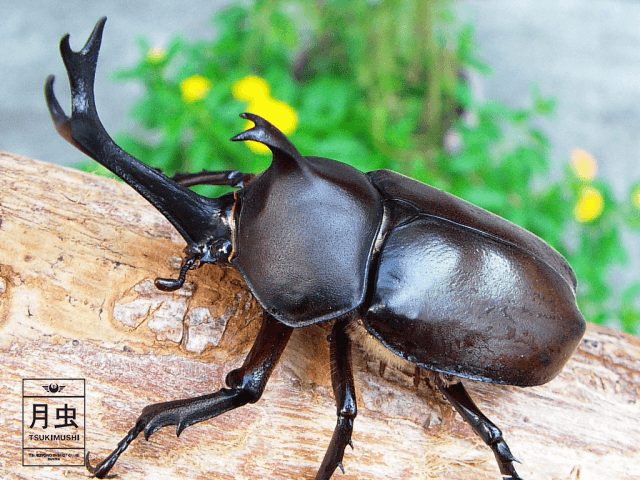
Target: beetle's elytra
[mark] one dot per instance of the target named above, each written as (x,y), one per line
(422,275)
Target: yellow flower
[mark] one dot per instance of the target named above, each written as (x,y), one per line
(635,197)
(258,148)
(589,205)
(250,88)
(194,88)
(156,55)
(584,164)
(283,116)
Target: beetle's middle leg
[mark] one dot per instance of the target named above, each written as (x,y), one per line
(457,395)
(345,395)
(246,385)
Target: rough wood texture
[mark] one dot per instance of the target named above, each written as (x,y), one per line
(77,260)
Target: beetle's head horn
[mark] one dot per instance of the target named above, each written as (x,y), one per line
(196,218)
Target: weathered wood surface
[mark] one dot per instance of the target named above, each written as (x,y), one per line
(77,258)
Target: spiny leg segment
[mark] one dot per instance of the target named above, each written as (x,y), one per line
(345,395)
(457,395)
(246,385)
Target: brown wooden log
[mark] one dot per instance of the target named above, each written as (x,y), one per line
(78,257)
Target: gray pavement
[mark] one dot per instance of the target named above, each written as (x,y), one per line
(29,37)
(586,54)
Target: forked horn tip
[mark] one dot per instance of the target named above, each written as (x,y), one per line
(251,132)
(65,45)
(269,135)
(55,110)
(96,34)
(93,43)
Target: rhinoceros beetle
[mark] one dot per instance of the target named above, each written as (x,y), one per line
(423,276)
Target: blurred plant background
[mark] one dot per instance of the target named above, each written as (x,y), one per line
(381,84)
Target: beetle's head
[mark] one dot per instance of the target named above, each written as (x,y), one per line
(203,222)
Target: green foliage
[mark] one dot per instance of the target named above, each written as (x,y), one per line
(380,85)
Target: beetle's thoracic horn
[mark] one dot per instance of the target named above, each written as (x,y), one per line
(193,215)
(267,134)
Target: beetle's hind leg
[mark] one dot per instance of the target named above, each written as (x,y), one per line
(345,395)
(246,385)
(457,395)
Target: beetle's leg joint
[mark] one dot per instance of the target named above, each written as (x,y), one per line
(249,381)
(344,392)
(491,434)
(250,387)
(262,358)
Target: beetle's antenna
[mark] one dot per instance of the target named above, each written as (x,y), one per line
(267,134)
(170,285)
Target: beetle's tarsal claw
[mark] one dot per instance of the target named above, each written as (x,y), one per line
(148,431)
(180,427)
(98,471)
(87,463)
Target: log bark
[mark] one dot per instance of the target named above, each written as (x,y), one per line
(78,257)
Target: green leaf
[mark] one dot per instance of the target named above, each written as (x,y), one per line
(492,200)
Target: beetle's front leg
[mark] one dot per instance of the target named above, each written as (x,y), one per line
(345,395)
(457,395)
(246,385)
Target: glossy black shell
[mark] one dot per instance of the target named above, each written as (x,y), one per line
(461,291)
(453,288)
(305,231)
